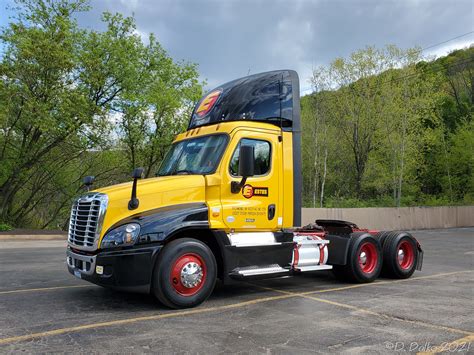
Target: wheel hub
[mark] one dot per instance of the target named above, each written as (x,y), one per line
(401,255)
(368,258)
(405,255)
(191,275)
(188,274)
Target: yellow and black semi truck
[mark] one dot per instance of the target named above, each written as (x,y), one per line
(225,203)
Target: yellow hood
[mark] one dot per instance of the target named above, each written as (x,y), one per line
(152,193)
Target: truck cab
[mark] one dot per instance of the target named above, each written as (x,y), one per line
(225,203)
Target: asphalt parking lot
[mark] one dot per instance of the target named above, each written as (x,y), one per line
(45,309)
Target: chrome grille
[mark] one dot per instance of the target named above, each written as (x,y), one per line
(85,224)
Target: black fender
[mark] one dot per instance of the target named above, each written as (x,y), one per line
(338,248)
(158,225)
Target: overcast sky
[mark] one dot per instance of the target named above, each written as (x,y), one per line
(230,38)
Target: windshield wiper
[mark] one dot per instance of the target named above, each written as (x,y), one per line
(183,172)
(177,172)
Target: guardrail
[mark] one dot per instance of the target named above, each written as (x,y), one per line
(389,218)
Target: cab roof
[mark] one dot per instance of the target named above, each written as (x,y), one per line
(270,97)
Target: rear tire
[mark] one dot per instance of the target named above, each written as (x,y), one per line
(381,236)
(185,273)
(364,259)
(400,255)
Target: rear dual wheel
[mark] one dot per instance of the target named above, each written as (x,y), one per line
(185,273)
(364,259)
(400,254)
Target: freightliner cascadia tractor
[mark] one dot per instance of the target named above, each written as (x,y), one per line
(225,203)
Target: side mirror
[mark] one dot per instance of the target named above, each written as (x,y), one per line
(246,167)
(246,161)
(134,202)
(88,181)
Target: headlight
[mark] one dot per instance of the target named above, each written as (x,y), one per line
(121,236)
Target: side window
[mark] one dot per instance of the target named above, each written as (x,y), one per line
(262,156)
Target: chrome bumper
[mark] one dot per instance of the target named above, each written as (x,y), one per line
(85,264)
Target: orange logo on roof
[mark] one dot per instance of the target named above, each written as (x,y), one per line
(207,103)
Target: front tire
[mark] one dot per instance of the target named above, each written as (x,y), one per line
(185,273)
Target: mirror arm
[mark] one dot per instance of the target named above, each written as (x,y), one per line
(235,186)
(134,202)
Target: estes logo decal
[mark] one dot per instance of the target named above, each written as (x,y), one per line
(207,103)
(249,191)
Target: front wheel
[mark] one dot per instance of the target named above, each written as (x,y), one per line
(185,273)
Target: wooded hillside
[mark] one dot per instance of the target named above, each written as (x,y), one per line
(385,127)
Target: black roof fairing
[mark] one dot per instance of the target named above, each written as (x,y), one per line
(271,97)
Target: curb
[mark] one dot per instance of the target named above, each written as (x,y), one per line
(25,237)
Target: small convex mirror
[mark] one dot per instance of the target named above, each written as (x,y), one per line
(88,181)
(138,173)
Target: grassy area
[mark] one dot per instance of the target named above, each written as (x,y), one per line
(5,227)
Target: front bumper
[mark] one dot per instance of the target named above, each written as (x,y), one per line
(127,270)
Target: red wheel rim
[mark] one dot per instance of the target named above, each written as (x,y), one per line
(188,274)
(405,255)
(368,257)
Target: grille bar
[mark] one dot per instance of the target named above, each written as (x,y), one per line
(85,224)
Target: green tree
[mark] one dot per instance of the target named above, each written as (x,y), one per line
(41,105)
(150,117)
(61,88)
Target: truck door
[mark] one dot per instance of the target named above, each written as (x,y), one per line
(258,205)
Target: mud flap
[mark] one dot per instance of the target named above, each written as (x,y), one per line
(419,259)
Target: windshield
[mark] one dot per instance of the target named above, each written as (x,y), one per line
(194,156)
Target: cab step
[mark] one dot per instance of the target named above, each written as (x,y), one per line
(249,271)
(313,268)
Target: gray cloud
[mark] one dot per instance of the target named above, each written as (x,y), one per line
(228,38)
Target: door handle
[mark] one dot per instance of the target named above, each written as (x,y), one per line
(271,212)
